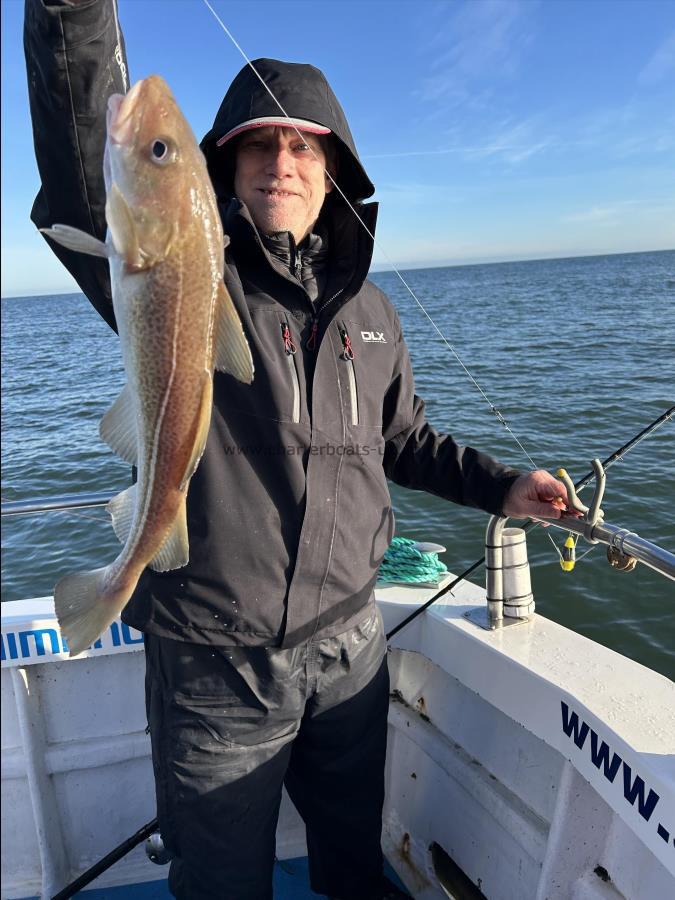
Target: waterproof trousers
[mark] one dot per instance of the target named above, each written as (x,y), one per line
(230,725)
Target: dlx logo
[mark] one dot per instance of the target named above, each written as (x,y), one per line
(373,337)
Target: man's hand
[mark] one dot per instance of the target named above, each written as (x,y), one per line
(537,494)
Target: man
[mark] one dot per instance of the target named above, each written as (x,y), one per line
(265,654)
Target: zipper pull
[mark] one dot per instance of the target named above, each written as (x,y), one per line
(347,344)
(311,340)
(289,346)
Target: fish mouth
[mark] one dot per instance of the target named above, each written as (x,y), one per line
(120,114)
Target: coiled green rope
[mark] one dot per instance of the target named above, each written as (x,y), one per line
(403,562)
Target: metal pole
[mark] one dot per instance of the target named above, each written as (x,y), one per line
(80,501)
(65,502)
(611,459)
(627,542)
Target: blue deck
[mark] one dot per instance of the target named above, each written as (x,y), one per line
(291,882)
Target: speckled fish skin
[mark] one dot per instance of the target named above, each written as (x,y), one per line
(176,323)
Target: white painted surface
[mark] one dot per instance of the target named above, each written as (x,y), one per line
(528,670)
(486,746)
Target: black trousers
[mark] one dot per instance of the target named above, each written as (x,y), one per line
(230,725)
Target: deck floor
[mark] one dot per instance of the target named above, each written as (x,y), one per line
(291,882)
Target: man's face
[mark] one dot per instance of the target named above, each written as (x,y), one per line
(280,179)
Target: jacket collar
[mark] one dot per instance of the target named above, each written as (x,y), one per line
(350,247)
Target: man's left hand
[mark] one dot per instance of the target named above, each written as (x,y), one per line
(537,495)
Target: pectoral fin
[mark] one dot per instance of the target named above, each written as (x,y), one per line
(200,430)
(118,427)
(77,240)
(175,551)
(122,228)
(142,241)
(231,352)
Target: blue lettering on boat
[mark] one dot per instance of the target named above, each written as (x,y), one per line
(126,635)
(38,635)
(608,762)
(35,642)
(571,726)
(600,757)
(11,646)
(633,790)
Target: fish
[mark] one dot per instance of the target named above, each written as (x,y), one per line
(177,324)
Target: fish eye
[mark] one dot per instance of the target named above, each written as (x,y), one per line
(161,151)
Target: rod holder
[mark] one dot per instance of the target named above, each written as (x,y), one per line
(508,586)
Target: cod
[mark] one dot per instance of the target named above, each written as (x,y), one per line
(177,323)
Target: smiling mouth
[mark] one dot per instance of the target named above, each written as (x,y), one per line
(276,195)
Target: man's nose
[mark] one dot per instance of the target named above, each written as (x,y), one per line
(280,162)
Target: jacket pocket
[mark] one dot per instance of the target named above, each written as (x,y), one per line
(374,357)
(348,357)
(290,350)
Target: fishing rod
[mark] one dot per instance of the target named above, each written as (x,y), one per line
(107,861)
(493,409)
(69,502)
(579,485)
(144,832)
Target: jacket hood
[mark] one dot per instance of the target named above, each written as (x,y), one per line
(304,93)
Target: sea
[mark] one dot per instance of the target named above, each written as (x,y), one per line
(577,355)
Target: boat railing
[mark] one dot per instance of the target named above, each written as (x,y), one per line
(61,503)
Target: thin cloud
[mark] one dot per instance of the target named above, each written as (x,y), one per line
(612,213)
(479,42)
(598,214)
(661,64)
(413,193)
(514,143)
(405,153)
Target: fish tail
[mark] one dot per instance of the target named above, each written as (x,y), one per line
(85,606)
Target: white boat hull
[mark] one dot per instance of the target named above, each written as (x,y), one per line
(541,763)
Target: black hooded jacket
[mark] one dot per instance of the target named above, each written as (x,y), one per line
(301,91)
(289,511)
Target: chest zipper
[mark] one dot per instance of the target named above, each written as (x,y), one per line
(348,356)
(290,349)
(310,344)
(311,340)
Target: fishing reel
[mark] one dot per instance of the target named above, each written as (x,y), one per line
(156,851)
(590,517)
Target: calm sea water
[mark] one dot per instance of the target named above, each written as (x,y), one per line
(578,354)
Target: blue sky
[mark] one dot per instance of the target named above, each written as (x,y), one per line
(493,129)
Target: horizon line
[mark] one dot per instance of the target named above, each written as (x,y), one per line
(408,267)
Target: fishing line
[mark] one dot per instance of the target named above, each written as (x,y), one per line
(615,457)
(611,459)
(124,848)
(76,512)
(495,411)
